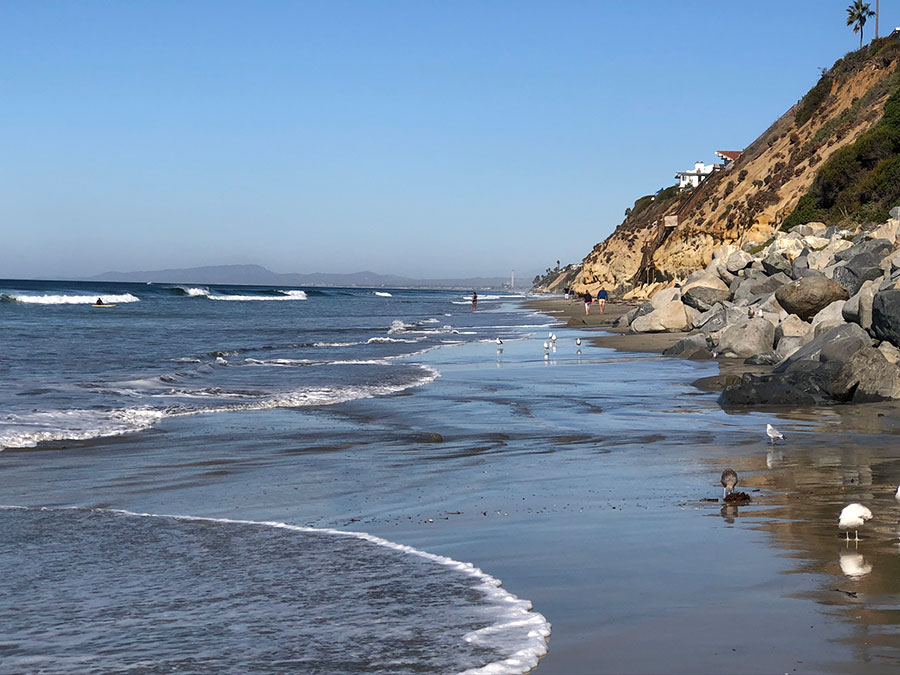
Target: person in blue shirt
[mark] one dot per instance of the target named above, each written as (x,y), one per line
(602,296)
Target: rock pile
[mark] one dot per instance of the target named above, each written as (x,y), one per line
(820,305)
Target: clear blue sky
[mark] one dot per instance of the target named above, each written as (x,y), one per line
(423,138)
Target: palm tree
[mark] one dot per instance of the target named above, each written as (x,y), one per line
(857,14)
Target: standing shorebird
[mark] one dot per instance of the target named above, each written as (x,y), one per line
(546,346)
(853,517)
(498,341)
(578,341)
(773,434)
(729,480)
(897,494)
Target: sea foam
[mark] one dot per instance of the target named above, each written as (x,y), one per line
(69,299)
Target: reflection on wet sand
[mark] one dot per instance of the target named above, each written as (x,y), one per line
(845,454)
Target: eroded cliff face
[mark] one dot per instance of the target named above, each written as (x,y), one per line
(747,202)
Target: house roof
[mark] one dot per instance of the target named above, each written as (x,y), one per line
(729,155)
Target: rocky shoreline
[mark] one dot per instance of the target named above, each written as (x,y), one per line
(813,315)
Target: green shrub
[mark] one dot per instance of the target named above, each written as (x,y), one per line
(813,100)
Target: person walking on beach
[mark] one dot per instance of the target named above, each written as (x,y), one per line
(602,295)
(587,302)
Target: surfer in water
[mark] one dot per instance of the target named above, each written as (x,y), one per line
(99,301)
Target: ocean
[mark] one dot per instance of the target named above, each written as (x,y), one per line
(225,479)
(224,594)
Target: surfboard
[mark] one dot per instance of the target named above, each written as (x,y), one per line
(104,305)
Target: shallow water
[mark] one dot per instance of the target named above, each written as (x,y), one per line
(577,480)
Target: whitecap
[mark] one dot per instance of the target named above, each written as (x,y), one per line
(71,299)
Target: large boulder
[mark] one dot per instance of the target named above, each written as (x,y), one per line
(746,339)
(664,297)
(857,270)
(704,298)
(806,296)
(866,376)
(793,389)
(877,247)
(703,278)
(886,316)
(668,318)
(838,344)
(858,308)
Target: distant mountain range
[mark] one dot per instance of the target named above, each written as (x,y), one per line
(260,276)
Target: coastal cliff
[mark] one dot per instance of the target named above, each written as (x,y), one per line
(834,154)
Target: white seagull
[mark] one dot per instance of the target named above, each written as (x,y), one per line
(773,434)
(498,341)
(729,480)
(578,341)
(853,517)
(552,337)
(897,495)
(546,345)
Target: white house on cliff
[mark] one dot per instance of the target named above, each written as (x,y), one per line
(693,177)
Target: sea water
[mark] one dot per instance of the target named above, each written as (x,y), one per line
(94,589)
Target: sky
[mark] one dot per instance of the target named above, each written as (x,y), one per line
(424,138)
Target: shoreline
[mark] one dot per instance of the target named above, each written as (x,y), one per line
(570,313)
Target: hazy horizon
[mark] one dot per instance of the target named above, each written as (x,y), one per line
(425,140)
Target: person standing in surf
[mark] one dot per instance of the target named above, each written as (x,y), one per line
(474,300)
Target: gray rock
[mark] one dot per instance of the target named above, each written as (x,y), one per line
(792,326)
(806,296)
(832,314)
(738,261)
(858,309)
(886,316)
(743,340)
(690,347)
(787,346)
(808,273)
(889,351)
(794,389)
(857,270)
(775,263)
(801,262)
(895,212)
(866,376)
(767,359)
(668,318)
(703,298)
(754,288)
(626,318)
(842,342)
(878,247)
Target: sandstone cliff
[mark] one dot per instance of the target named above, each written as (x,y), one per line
(747,202)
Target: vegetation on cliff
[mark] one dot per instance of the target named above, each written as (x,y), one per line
(838,148)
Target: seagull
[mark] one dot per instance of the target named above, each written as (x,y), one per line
(729,480)
(773,434)
(578,341)
(853,517)
(498,341)
(897,495)
(546,345)
(552,337)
